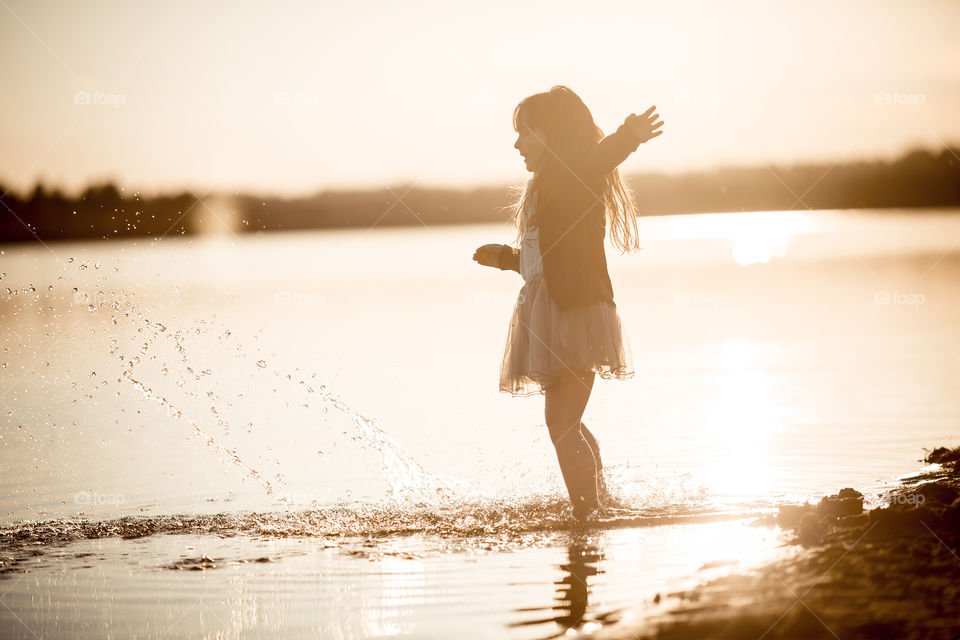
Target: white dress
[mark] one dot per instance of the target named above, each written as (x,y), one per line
(531,264)
(545,341)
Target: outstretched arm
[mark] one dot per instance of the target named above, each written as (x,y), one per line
(607,154)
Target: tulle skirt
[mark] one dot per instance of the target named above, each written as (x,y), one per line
(544,342)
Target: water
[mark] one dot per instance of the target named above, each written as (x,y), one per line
(302,433)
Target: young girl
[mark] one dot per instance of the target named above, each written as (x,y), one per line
(565,327)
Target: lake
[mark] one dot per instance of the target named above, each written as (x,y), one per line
(301,433)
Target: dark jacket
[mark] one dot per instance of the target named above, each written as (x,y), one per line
(573,223)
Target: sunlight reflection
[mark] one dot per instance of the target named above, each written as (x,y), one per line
(404,586)
(217,215)
(690,226)
(723,546)
(738,354)
(743,420)
(685,555)
(762,238)
(757,236)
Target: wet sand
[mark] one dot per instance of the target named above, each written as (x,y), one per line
(890,572)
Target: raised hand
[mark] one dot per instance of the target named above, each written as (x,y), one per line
(644,126)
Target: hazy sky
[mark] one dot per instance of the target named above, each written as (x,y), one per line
(295,97)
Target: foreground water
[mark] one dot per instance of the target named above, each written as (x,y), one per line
(335,396)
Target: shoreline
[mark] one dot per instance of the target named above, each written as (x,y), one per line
(890,572)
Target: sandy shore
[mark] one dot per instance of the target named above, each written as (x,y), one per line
(891,572)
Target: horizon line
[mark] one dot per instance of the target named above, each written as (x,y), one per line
(403,183)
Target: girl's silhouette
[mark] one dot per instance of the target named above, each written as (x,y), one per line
(565,327)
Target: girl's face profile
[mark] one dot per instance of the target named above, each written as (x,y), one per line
(531,145)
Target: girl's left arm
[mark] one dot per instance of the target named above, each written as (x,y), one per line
(607,154)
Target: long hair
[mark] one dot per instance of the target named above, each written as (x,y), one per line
(567,126)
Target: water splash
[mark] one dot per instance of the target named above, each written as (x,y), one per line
(505,519)
(406,479)
(149,394)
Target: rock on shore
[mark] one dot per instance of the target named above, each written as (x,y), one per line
(892,572)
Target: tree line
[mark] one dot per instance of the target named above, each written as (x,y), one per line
(920,178)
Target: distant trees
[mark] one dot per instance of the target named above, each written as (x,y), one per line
(919,178)
(101,211)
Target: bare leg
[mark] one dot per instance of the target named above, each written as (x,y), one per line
(592,441)
(564,405)
(603,492)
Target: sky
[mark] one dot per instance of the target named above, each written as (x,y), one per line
(290,98)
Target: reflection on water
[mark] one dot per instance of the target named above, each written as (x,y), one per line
(746,417)
(763,238)
(572,592)
(527,586)
(754,237)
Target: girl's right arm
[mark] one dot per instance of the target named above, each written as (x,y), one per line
(509,258)
(502,256)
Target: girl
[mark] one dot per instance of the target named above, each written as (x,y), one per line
(565,327)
